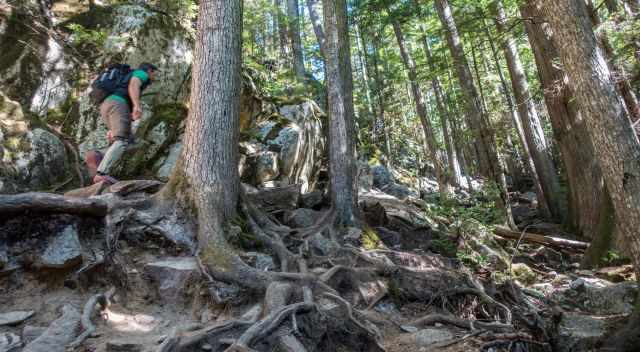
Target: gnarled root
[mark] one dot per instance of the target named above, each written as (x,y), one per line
(102,299)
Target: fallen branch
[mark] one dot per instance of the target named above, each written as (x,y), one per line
(49,202)
(548,241)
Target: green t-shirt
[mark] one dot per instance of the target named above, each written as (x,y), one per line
(118,95)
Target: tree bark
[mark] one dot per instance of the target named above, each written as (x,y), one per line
(294,35)
(421,109)
(364,70)
(282,30)
(490,164)
(381,124)
(539,149)
(316,23)
(205,181)
(516,169)
(47,202)
(569,128)
(454,172)
(619,75)
(342,151)
(610,129)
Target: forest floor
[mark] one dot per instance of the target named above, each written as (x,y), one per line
(556,306)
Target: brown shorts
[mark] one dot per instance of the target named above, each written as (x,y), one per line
(117,116)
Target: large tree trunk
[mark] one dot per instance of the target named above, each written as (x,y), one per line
(587,194)
(454,172)
(618,151)
(539,149)
(490,165)
(294,36)
(421,109)
(619,75)
(205,181)
(342,146)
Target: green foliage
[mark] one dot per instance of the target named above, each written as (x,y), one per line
(472,259)
(87,38)
(443,245)
(482,207)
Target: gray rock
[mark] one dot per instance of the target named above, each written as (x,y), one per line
(60,333)
(32,158)
(301,217)
(365,176)
(15,318)
(599,296)
(173,276)
(165,168)
(9,342)
(124,346)
(30,332)
(63,251)
(381,176)
(266,166)
(578,332)
(388,237)
(399,191)
(427,337)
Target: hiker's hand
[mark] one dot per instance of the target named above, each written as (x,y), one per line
(137,113)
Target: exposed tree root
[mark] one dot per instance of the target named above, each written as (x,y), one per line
(102,299)
(48,202)
(267,325)
(461,323)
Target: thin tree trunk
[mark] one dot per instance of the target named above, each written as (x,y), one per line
(294,36)
(587,196)
(539,149)
(421,109)
(316,22)
(205,181)
(490,164)
(515,119)
(282,31)
(342,151)
(381,126)
(609,126)
(365,71)
(455,174)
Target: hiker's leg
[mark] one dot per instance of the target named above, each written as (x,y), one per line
(113,154)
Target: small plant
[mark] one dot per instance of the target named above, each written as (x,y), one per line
(86,38)
(472,259)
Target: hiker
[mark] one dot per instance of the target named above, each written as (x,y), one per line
(118,110)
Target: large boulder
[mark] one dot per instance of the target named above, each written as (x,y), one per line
(31,157)
(35,69)
(173,277)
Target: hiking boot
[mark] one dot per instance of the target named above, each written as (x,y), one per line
(104,178)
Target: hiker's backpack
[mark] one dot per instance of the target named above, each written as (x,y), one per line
(107,82)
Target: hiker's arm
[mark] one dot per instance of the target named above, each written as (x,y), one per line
(134,93)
